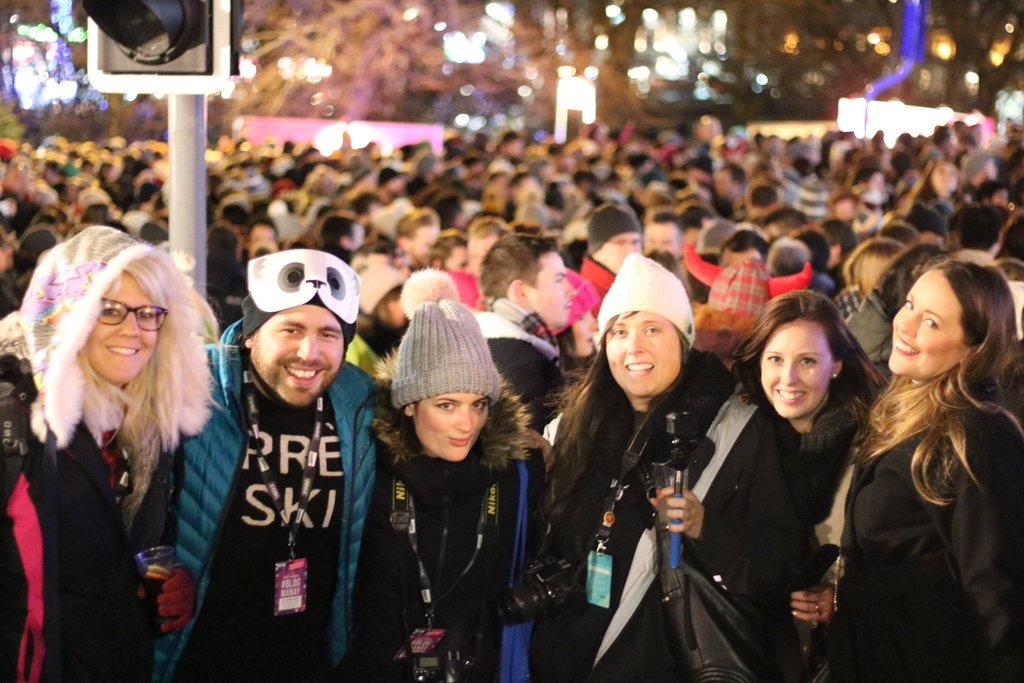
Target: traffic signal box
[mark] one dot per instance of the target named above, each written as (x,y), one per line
(163,46)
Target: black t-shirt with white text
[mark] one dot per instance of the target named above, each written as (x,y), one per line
(237,636)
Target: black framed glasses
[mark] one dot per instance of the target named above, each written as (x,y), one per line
(149,318)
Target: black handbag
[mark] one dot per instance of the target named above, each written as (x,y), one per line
(715,637)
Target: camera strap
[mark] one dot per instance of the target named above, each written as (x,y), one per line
(630,459)
(17,391)
(403,520)
(308,471)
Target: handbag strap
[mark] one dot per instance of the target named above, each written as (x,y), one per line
(519,542)
(732,417)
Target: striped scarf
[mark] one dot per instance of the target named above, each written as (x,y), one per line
(529,321)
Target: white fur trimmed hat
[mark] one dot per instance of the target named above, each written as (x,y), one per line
(645,285)
(60,309)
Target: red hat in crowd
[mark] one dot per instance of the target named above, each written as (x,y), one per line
(708,273)
(8,148)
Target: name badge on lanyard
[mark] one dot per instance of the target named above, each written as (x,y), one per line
(599,579)
(289,575)
(290,587)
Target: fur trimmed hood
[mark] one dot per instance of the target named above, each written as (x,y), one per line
(505,437)
(60,310)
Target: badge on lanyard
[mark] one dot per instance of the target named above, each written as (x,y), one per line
(289,587)
(599,579)
(422,641)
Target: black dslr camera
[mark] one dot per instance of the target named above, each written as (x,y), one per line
(16,393)
(549,585)
(445,667)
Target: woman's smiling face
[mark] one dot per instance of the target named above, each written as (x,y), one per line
(118,353)
(796,369)
(927,336)
(645,355)
(448,425)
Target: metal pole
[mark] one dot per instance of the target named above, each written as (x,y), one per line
(186,118)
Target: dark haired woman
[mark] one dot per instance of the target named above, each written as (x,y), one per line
(735,515)
(934,556)
(449,494)
(801,364)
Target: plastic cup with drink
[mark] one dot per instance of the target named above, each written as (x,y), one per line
(155,566)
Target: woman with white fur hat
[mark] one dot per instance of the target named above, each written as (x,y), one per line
(105,361)
(599,505)
(442,523)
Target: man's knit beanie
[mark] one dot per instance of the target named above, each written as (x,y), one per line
(607,221)
(443,351)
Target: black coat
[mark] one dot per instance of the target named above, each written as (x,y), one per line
(105,634)
(447,498)
(752,538)
(935,593)
(535,378)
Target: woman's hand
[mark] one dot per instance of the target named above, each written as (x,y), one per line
(541,444)
(177,600)
(688,509)
(814,605)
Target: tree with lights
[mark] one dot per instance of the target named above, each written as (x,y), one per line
(499,62)
(382,59)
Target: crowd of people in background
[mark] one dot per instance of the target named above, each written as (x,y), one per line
(837,321)
(804,200)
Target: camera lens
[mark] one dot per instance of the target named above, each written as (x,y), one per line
(521,605)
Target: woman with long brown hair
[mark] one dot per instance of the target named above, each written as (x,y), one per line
(933,588)
(733,515)
(801,363)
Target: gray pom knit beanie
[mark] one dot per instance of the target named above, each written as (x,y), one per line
(443,350)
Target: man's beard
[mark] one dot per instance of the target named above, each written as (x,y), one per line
(271,379)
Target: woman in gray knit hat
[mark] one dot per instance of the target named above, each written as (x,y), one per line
(442,524)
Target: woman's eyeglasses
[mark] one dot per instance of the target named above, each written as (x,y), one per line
(149,318)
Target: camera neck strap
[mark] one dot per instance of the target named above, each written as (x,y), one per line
(308,471)
(403,520)
(630,459)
